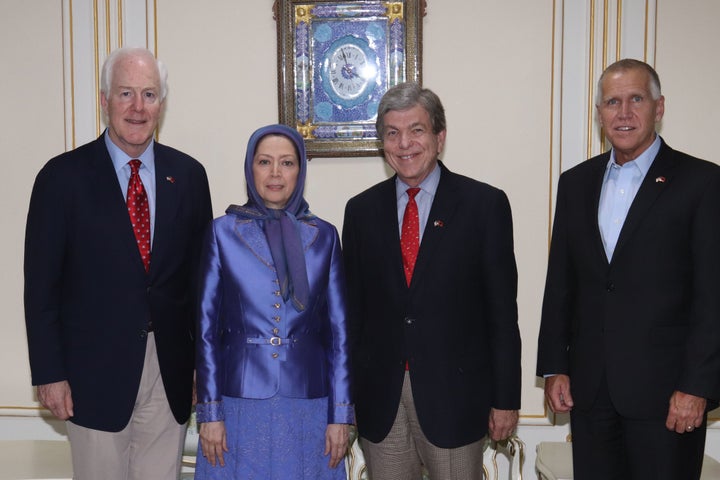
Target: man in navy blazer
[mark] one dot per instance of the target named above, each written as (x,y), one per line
(111,343)
(436,359)
(630,335)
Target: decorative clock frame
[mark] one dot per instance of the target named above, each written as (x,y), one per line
(335,61)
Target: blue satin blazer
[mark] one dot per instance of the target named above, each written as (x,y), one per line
(251,344)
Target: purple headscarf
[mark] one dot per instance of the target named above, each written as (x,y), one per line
(281,226)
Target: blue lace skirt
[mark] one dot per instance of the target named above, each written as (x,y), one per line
(278,438)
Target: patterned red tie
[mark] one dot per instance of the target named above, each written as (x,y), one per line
(137,203)
(410,236)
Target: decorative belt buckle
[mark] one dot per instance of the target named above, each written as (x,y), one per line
(275,341)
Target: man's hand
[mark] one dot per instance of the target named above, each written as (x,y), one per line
(336,442)
(213,441)
(557,393)
(502,423)
(686,412)
(57,398)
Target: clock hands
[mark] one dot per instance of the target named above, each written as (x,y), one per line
(348,69)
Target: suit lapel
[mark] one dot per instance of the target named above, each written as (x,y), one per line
(655,182)
(167,186)
(386,218)
(108,196)
(442,213)
(597,174)
(253,237)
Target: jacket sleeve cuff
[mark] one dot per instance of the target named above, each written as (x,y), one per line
(342,413)
(210,412)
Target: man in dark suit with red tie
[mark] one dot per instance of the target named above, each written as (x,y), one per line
(630,335)
(112,238)
(432,287)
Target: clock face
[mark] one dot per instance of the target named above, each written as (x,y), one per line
(349,71)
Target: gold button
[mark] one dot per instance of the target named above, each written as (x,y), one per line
(277,319)
(277,305)
(276,331)
(277,293)
(275,355)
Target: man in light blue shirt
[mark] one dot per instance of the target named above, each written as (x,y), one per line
(630,339)
(108,310)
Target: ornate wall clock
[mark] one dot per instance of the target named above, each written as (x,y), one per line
(335,61)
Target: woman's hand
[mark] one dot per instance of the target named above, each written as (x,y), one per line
(213,441)
(336,442)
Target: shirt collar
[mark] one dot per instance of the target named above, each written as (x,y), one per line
(429,185)
(120,158)
(644,160)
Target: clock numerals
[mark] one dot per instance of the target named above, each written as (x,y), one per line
(348,72)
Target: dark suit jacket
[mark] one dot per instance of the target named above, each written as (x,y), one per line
(457,322)
(649,320)
(88,299)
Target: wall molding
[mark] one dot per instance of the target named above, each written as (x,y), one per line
(91,30)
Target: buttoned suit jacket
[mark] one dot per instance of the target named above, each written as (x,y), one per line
(647,322)
(456,324)
(88,300)
(251,344)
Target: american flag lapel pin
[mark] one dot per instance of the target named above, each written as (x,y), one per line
(438,223)
(660,180)
(170,179)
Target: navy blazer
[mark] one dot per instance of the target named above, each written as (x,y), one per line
(648,321)
(456,324)
(88,300)
(251,344)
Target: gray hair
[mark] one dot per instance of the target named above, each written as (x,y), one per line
(407,95)
(630,64)
(124,52)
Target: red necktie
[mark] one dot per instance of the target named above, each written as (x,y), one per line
(410,236)
(137,203)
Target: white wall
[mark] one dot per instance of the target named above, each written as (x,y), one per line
(493,63)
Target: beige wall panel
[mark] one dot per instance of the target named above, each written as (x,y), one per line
(688,63)
(32,131)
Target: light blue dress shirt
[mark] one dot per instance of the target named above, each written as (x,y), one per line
(120,161)
(424,198)
(620,185)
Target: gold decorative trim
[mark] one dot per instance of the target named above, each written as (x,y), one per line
(96,57)
(552,126)
(72,80)
(120,22)
(591,76)
(394,11)
(302,13)
(618,33)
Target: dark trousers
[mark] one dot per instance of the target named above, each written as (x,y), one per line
(609,446)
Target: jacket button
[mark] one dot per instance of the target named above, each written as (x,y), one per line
(610,287)
(143,333)
(275,355)
(409,321)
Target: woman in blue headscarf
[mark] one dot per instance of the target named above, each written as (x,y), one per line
(273,381)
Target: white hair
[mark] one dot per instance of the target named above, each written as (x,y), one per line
(124,52)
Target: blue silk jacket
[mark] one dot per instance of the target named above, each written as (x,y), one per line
(251,344)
